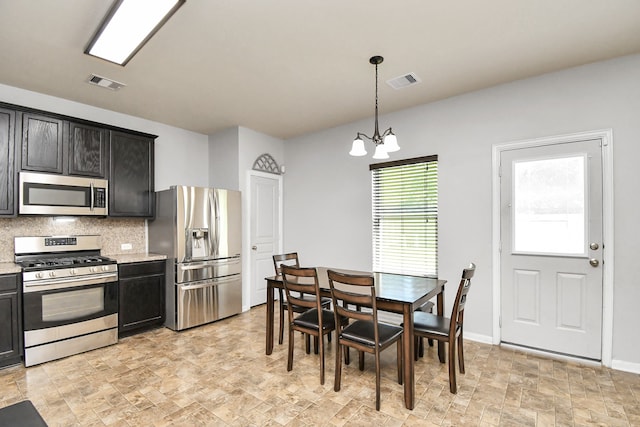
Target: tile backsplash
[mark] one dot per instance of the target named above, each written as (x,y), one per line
(114,232)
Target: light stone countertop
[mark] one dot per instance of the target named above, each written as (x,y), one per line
(136,257)
(9,268)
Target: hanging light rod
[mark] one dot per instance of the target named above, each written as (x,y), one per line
(129,24)
(385,143)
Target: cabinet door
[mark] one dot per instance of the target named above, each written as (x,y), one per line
(131,176)
(7,150)
(10,321)
(42,143)
(87,150)
(141,302)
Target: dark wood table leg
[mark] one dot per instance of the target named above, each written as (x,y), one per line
(269,332)
(440,306)
(407,355)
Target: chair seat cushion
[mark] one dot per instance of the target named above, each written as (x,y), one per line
(309,319)
(362,331)
(326,302)
(428,323)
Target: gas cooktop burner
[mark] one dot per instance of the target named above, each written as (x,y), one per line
(65,262)
(61,255)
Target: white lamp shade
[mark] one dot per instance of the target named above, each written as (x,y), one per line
(380,153)
(391,143)
(357,149)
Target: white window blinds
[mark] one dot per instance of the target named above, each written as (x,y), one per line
(405,216)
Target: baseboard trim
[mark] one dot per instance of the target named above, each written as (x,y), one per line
(622,365)
(484,339)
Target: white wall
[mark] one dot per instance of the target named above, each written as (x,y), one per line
(327,192)
(223,159)
(232,153)
(181,156)
(252,145)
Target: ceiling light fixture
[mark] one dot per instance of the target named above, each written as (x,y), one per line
(128,26)
(385,143)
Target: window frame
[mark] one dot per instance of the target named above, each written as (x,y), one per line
(409,218)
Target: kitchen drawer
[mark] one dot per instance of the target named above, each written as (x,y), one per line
(8,283)
(141,268)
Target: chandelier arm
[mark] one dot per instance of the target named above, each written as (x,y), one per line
(366,136)
(386,132)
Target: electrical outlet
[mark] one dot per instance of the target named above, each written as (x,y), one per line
(126,246)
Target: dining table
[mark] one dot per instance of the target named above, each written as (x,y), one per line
(395,293)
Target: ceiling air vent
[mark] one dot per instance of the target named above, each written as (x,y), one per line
(104,82)
(404,81)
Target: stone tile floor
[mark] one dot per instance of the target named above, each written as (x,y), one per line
(218,375)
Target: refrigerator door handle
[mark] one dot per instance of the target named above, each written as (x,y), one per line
(209,283)
(208,264)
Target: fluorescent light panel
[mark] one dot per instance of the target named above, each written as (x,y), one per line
(128,26)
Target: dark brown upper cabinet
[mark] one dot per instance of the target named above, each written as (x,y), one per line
(131,181)
(7,154)
(88,150)
(54,145)
(42,143)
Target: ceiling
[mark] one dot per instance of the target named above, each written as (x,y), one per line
(290,67)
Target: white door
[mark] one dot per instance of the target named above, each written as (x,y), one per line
(264,231)
(551,248)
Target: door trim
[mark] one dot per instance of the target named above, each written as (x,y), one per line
(606,136)
(246,303)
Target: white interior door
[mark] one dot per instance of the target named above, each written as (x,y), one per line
(265,220)
(551,248)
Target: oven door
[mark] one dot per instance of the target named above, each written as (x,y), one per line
(57,307)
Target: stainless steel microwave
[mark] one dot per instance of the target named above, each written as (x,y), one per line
(46,194)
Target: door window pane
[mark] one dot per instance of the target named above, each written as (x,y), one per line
(549,206)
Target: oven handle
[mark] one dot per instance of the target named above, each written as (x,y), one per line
(210,283)
(49,284)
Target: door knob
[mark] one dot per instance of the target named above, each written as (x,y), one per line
(593,246)
(254,248)
(594,262)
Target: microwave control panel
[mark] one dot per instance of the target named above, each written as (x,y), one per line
(100,197)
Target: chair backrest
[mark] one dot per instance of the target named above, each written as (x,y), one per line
(361,294)
(290,259)
(457,314)
(301,281)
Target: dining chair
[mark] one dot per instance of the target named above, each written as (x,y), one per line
(446,329)
(426,307)
(365,333)
(291,259)
(303,291)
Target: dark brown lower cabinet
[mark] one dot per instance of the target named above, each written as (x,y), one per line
(10,320)
(141,294)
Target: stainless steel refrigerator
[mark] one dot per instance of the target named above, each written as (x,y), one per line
(200,231)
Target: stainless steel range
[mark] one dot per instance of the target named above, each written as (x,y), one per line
(70,296)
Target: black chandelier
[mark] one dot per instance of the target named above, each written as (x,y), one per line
(385,143)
